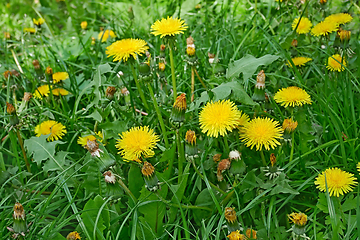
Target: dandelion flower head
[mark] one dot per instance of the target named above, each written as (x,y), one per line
(168,27)
(84,140)
(261,132)
(324,28)
(42,91)
(104,35)
(339,18)
(219,118)
(334,63)
(59,91)
(125,48)
(299,61)
(304,25)
(136,143)
(60,76)
(338,181)
(38,21)
(299,219)
(55,129)
(292,96)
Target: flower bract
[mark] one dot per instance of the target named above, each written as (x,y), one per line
(168,27)
(55,129)
(136,143)
(125,48)
(338,182)
(261,132)
(292,96)
(218,118)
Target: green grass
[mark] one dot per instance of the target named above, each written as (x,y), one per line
(63,188)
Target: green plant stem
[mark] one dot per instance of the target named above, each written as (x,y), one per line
(292,146)
(181,155)
(172,71)
(227,149)
(202,177)
(127,190)
(23,150)
(162,125)
(192,83)
(182,205)
(142,96)
(263,158)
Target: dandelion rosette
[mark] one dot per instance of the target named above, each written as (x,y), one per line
(338,182)
(336,63)
(168,27)
(261,132)
(219,118)
(292,96)
(136,143)
(55,129)
(60,76)
(123,49)
(303,27)
(299,61)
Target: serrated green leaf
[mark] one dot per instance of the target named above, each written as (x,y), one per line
(239,94)
(95,115)
(136,180)
(56,163)
(248,65)
(40,148)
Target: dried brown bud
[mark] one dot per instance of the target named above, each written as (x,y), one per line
(180,102)
(27,96)
(109,177)
(49,71)
(294,43)
(10,109)
(147,170)
(223,165)
(19,212)
(190,137)
(15,73)
(93,148)
(36,64)
(217,157)
(162,47)
(110,91)
(260,80)
(230,214)
(189,41)
(124,91)
(272,159)
(7,74)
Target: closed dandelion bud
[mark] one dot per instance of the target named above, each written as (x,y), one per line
(84,25)
(131,13)
(259,92)
(36,64)
(299,220)
(93,41)
(151,181)
(272,171)
(7,74)
(161,66)
(217,157)
(294,43)
(191,150)
(125,92)
(250,233)
(289,125)
(49,71)
(38,22)
(191,58)
(162,51)
(344,35)
(19,227)
(7,35)
(179,109)
(323,1)
(109,177)
(235,235)
(73,236)
(145,72)
(222,167)
(190,51)
(10,109)
(110,91)
(231,219)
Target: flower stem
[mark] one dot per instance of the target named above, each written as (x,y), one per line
(23,150)
(162,125)
(292,146)
(142,96)
(127,190)
(227,149)
(263,157)
(192,83)
(181,155)
(173,71)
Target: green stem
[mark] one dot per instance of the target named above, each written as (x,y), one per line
(162,125)
(173,71)
(227,149)
(263,158)
(182,205)
(292,146)
(127,190)
(23,150)
(142,96)
(181,155)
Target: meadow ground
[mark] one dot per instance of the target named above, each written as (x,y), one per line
(179,119)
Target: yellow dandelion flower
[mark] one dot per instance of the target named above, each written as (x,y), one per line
(29,30)
(73,236)
(104,35)
(55,129)
(292,96)
(338,181)
(324,28)
(303,27)
(339,18)
(136,143)
(123,49)
(42,91)
(243,119)
(60,76)
(299,219)
(219,118)
(84,25)
(84,140)
(251,233)
(358,166)
(59,91)
(261,132)
(289,125)
(336,63)
(235,235)
(299,61)
(168,27)
(38,22)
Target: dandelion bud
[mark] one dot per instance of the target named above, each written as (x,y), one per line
(131,13)
(323,1)
(222,167)
(151,181)
(235,155)
(145,73)
(19,227)
(294,43)
(190,51)
(109,177)
(259,92)
(230,216)
(93,41)
(49,71)
(191,150)
(125,92)
(161,66)
(179,109)
(110,91)
(217,157)
(272,159)
(84,25)
(299,220)
(198,6)
(7,74)
(190,42)
(36,64)
(250,233)
(235,235)
(93,148)
(73,236)
(38,22)
(272,171)
(10,109)
(7,35)
(162,51)
(344,35)
(289,125)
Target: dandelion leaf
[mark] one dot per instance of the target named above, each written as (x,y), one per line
(282,186)
(56,162)
(204,199)
(248,65)
(236,89)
